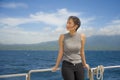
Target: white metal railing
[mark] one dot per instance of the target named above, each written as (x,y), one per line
(27,75)
(109,67)
(14,75)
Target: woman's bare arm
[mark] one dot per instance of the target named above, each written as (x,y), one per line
(60,54)
(82,54)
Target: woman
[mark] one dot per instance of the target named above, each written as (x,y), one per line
(71,52)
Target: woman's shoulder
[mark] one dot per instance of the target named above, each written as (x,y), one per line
(61,36)
(82,36)
(64,34)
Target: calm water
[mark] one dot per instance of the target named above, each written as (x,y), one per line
(12,62)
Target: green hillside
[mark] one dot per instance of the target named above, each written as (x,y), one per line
(92,43)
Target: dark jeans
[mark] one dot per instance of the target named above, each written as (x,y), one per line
(72,71)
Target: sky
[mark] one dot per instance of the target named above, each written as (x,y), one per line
(36,21)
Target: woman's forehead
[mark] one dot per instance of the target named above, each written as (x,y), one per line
(70,20)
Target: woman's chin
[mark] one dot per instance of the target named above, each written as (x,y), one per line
(69,30)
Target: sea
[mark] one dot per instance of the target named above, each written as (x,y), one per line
(14,62)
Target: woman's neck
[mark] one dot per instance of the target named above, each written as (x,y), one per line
(72,33)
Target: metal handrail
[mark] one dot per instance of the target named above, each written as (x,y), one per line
(109,67)
(14,75)
(43,70)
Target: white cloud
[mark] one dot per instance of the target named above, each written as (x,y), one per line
(87,21)
(15,35)
(14,21)
(89,31)
(112,29)
(13,5)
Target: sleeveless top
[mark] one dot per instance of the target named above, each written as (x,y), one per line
(71,48)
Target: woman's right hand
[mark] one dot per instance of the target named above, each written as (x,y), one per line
(54,69)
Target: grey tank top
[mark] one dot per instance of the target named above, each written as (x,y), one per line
(72,45)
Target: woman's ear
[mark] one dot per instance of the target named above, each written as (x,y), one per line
(76,27)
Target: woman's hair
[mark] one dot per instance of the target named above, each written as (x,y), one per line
(76,21)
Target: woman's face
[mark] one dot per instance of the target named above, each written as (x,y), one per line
(70,25)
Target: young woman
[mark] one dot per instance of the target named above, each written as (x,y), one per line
(71,51)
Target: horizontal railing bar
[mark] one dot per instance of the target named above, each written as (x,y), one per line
(13,75)
(109,67)
(112,67)
(42,70)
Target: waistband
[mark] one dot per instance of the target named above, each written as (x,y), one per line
(71,63)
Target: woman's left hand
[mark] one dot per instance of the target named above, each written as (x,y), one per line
(86,66)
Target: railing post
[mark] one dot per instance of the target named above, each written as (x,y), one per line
(28,76)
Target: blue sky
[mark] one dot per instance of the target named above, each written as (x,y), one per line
(27,21)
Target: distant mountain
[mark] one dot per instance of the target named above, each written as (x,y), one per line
(92,43)
(103,43)
(50,45)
